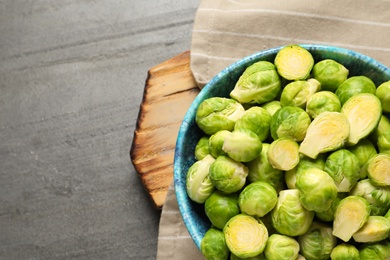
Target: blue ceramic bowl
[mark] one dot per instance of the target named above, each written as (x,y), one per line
(189,134)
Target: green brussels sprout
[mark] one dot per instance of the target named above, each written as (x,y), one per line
(259,83)
(383,93)
(217,113)
(382,128)
(317,189)
(283,154)
(258,257)
(294,62)
(328,215)
(329,131)
(289,217)
(272,106)
(318,242)
(297,93)
(330,74)
(245,236)
(257,199)
(261,170)
(377,228)
(355,85)
(202,148)
(233,145)
(213,245)
(343,166)
(351,214)
(378,197)
(220,207)
(228,175)
(378,251)
(323,101)
(345,252)
(216,142)
(383,143)
(257,120)
(281,247)
(290,122)
(378,169)
(198,184)
(364,113)
(363,150)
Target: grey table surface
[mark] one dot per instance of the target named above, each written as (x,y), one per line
(72,75)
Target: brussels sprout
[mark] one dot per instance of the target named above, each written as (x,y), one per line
(377,197)
(323,101)
(202,148)
(382,128)
(281,247)
(345,252)
(290,122)
(217,113)
(294,62)
(257,120)
(213,245)
(198,184)
(289,217)
(378,169)
(330,74)
(245,236)
(258,257)
(383,93)
(228,175)
(259,83)
(318,242)
(351,214)
(343,166)
(329,131)
(328,215)
(355,85)
(375,229)
(261,170)
(283,154)
(220,207)
(377,251)
(233,145)
(257,199)
(297,93)
(364,113)
(317,189)
(216,142)
(272,106)
(383,143)
(363,150)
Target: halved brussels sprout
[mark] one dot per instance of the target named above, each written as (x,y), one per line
(363,112)
(297,93)
(383,93)
(283,154)
(228,175)
(294,62)
(242,145)
(202,148)
(355,85)
(317,189)
(259,83)
(217,113)
(257,120)
(375,229)
(213,245)
(363,150)
(351,214)
(216,142)
(345,252)
(290,122)
(272,106)
(329,131)
(378,169)
(245,236)
(318,242)
(281,247)
(289,217)
(257,199)
(198,184)
(378,251)
(323,101)
(220,207)
(330,74)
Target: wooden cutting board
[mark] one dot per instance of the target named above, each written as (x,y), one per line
(169,91)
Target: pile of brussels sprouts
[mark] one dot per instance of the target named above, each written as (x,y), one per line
(295,164)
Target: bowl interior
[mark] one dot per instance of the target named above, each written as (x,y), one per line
(221,85)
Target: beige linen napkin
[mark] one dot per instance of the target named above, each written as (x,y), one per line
(228,30)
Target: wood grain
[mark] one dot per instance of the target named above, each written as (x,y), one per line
(169,92)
